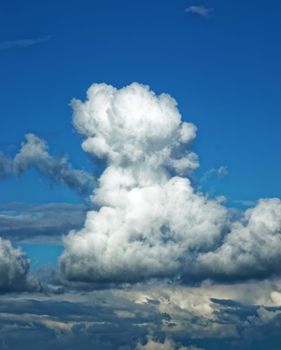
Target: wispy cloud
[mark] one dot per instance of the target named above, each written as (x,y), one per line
(246,202)
(199,10)
(23,43)
(220,173)
(34,152)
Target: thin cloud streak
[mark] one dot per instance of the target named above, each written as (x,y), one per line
(23,43)
(199,10)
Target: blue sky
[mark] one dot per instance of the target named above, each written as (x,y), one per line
(223,70)
(207,276)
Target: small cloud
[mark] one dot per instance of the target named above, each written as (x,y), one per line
(23,43)
(220,172)
(199,10)
(246,202)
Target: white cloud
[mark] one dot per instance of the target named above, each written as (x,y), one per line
(252,247)
(199,10)
(150,221)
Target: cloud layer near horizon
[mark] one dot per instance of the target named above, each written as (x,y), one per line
(40,223)
(151,222)
(146,316)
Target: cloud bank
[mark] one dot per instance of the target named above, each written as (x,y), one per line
(151,222)
(146,316)
(34,152)
(40,223)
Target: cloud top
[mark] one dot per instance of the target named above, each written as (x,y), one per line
(133,125)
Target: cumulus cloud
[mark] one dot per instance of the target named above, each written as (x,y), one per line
(252,247)
(14,266)
(34,152)
(150,221)
(199,10)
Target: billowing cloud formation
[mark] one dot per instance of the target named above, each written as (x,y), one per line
(35,152)
(253,246)
(14,267)
(132,126)
(151,222)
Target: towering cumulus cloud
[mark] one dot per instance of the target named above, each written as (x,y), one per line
(35,152)
(150,222)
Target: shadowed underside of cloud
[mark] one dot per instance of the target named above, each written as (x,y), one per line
(34,152)
(151,222)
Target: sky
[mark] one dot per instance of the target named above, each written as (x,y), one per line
(150,131)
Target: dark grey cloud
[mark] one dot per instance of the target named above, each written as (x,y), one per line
(23,43)
(142,317)
(34,152)
(42,223)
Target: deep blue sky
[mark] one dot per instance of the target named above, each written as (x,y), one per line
(223,70)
